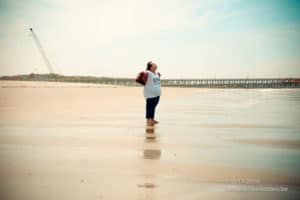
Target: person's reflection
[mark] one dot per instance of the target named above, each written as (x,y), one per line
(151,153)
(151,149)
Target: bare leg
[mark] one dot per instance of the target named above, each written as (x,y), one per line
(150,122)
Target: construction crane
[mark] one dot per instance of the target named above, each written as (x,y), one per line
(42,51)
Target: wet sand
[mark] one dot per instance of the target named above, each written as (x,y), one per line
(271,142)
(86,141)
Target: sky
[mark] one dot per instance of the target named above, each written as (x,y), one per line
(186,38)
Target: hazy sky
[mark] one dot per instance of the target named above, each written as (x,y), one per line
(186,38)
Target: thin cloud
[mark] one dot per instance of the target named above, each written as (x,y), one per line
(118,37)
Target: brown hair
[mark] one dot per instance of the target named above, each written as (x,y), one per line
(149,65)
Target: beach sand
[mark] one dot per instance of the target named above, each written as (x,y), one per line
(89,141)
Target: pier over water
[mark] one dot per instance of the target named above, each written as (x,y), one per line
(218,83)
(234,83)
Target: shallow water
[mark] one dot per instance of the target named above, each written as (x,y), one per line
(205,141)
(224,117)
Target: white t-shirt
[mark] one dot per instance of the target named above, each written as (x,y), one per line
(152,87)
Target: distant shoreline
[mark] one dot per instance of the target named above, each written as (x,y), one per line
(247,83)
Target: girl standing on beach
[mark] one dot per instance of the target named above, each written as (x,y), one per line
(152,92)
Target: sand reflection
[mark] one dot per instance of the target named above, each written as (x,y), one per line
(151,147)
(151,154)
